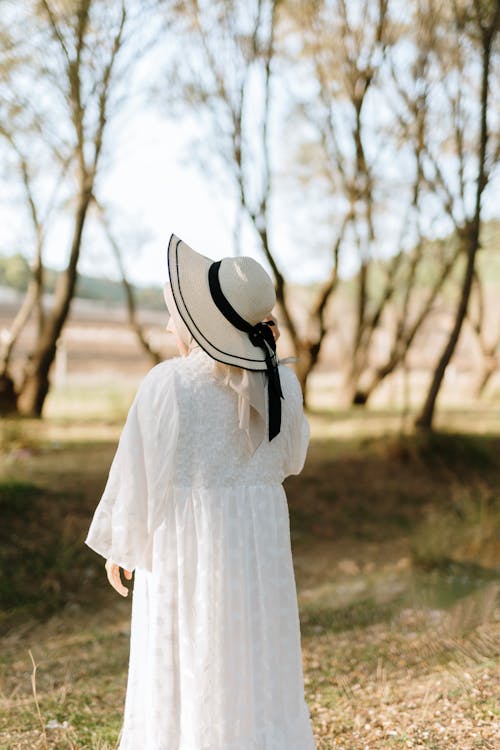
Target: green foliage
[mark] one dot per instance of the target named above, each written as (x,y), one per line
(15,273)
(92,287)
(429,268)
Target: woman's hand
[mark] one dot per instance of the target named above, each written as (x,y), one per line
(113,573)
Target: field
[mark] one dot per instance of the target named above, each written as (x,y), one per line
(396,541)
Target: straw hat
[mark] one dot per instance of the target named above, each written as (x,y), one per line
(207,294)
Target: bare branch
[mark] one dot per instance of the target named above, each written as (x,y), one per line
(128,289)
(55,29)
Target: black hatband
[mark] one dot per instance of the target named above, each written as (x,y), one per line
(260,335)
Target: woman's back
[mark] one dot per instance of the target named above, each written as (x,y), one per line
(211,448)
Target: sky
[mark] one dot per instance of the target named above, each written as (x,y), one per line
(157,186)
(152,191)
(164,191)
(154,185)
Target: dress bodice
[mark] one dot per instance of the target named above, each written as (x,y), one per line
(211,447)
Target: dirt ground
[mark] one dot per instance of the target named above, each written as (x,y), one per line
(396,550)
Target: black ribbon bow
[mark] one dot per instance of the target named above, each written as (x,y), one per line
(260,335)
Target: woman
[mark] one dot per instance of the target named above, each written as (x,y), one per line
(194,504)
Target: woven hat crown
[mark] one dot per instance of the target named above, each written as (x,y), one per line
(247,287)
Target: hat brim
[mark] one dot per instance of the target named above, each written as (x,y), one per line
(188,272)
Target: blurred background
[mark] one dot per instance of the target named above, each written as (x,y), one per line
(352,147)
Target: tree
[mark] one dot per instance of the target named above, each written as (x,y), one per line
(128,289)
(229,77)
(236,50)
(20,129)
(358,134)
(422,83)
(409,90)
(85,61)
(476,31)
(79,54)
(489,345)
(345,47)
(28,169)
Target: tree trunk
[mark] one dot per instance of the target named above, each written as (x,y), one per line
(362,395)
(36,382)
(153,353)
(8,396)
(307,355)
(128,289)
(309,350)
(32,300)
(488,370)
(17,326)
(425,418)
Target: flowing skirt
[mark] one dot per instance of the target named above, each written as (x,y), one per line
(215,659)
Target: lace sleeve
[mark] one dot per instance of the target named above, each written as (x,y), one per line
(299,444)
(297,426)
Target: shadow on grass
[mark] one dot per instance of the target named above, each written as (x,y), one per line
(372,489)
(316,619)
(382,487)
(44,564)
(461,588)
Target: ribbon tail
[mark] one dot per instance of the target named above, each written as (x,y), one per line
(277,381)
(274,411)
(275,395)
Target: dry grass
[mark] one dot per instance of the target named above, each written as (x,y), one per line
(426,679)
(400,643)
(81,666)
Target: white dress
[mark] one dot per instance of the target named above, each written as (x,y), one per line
(215,658)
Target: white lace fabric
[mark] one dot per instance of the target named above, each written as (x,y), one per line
(215,660)
(247,384)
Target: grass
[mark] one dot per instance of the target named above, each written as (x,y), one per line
(80,668)
(360,614)
(46,497)
(397,636)
(465,529)
(17,497)
(72,402)
(372,686)
(400,684)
